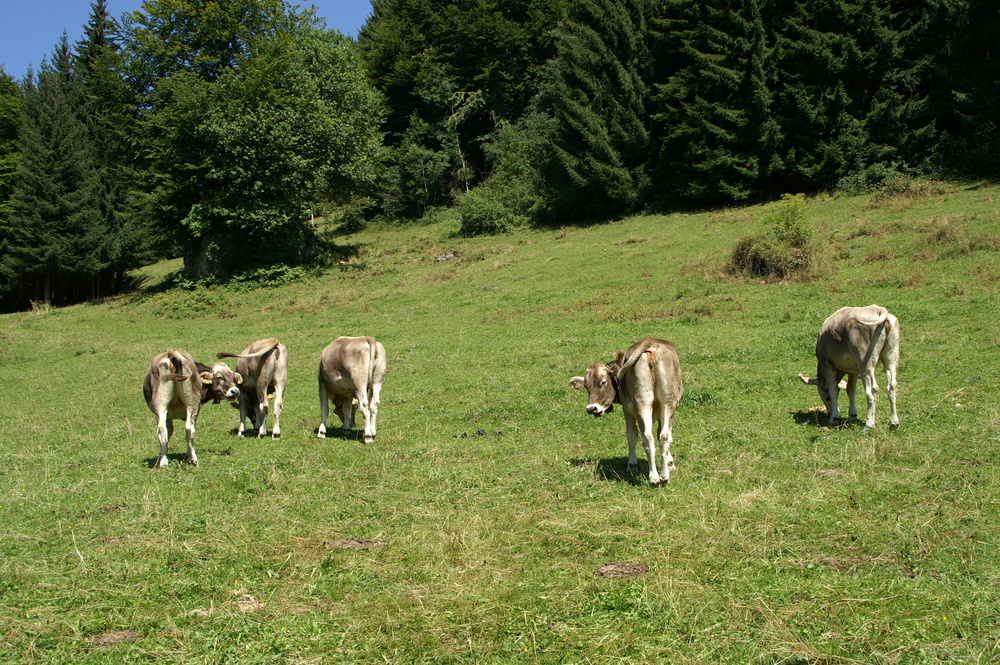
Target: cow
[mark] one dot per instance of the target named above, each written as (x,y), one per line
(351,371)
(646,381)
(852,341)
(175,386)
(264,368)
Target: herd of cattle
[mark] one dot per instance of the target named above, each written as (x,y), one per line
(645,380)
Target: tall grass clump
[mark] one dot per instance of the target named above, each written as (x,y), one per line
(783,250)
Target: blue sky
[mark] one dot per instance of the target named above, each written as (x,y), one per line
(30,29)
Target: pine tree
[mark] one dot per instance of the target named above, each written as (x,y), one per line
(716,130)
(109,111)
(597,93)
(10,113)
(53,235)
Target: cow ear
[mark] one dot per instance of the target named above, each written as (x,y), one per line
(238,378)
(806,380)
(206,378)
(577,382)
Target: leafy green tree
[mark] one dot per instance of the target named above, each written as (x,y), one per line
(52,238)
(254,115)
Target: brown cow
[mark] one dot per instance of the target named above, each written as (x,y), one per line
(264,367)
(175,386)
(852,341)
(646,381)
(351,371)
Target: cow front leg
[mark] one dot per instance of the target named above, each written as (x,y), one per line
(324,410)
(164,428)
(631,433)
(833,394)
(243,414)
(262,411)
(852,386)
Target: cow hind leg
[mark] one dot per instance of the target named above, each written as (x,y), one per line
(242,401)
(666,438)
(852,387)
(890,380)
(871,392)
(189,423)
(372,416)
(649,444)
(279,402)
(164,428)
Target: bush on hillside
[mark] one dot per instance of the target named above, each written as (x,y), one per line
(783,250)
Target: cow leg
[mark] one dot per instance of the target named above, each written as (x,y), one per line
(852,385)
(631,433)
(324,409)
(833,392)
(192,416)
(279,402)
(361,396)
(871,392)
(372,414)
(164,428)
(890,380)
(666,438)
(242,401)
(262,411)
(645,422)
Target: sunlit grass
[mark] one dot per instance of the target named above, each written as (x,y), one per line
(472,530)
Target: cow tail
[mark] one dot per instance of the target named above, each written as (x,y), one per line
(883,317)
(373,356)
(177,365)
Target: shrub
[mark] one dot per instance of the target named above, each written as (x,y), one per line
(783,249)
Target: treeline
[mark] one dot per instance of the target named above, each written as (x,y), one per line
(217,130)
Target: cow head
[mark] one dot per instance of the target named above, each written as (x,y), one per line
(601,383)
(821,385)
(220,383)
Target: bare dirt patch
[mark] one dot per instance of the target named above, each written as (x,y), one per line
(114,637)
(622,569)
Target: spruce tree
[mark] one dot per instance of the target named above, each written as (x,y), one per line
(10,114)
(597,93)
(53,236)
(109,112)
(716,130)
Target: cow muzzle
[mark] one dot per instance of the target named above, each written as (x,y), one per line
(233,393)
(598,410)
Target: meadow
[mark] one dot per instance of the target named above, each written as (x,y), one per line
(473,529)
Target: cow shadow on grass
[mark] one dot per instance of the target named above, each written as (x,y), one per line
(181,457)
(615,470)
(820,420)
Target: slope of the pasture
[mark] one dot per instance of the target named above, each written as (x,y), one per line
(472,530)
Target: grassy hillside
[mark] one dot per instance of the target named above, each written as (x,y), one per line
(472,530)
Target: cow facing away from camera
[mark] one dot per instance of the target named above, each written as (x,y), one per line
(852,341)
(646,381)
(351,372)
(264,368)
(175,387)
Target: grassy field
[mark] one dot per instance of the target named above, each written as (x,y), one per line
(472,530)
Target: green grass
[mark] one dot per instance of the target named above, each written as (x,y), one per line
(777,541)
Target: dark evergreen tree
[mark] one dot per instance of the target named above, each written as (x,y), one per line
(10,116)
(451,73)
(53,235)
(716,128)
(110,113)
(597,92)
(965,94)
